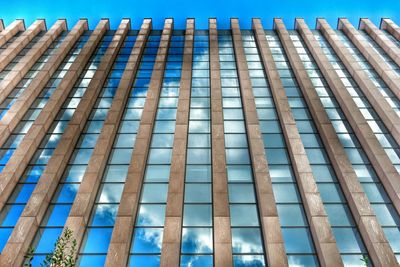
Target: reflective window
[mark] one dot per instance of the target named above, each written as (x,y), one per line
(197,235)
(330,190)
(149,226)
(247,243)
(66,191)
(288,200)
(360,162)
(27,79)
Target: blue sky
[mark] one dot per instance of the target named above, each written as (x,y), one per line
(72,10)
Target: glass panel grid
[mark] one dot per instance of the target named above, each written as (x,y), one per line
(7,150)
(21,54)
(247,244)
(377,196)
(346,233)
(61,202)
(295,228)
(16,203)
(99,229)
(381,53)
(197,231)
(30,75)
(149,226)
(106,205)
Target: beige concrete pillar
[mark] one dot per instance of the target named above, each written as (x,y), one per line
(17,111)
(391,27)
(28,223)
(24,64)
(370,229)
(389,176)
(12,29)
(381,39)
(371,92)
(171,243)
(273,240)
(23,154)
(15,47)
(79,215)
(327,251)
(118,251)
(221,212)
(388,75)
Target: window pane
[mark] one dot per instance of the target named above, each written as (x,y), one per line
(197,240)
(151,215)
(160,156)
(147,240)
(297,240)
(144,261)
(239,173)
(197,215)
(246,240)
(248,261)
(198,193)
(348,240)
(154,193)
(241,193)
(198,173)
(244,215)
(196,261)
(291,215)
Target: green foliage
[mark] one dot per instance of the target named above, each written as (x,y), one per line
(365,259)
(63,254)
(29,257)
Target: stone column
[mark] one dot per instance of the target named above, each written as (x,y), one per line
(12,29)
(221,214)
(389,176)
(381,39)
(15,47)
(391,27)
(24,64)
(368,88)
(171,243)
(118,251)
(276,254)
(317,218)
(79,215)
(388,75)
(17,111)
(370,229)
(25,229)
(25,151)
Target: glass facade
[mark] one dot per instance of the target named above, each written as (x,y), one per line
(36,107)
(366,174)
(347,236)
(16,203)
(252,242)
(98,230)
(381,53)
(369,70)
(20,55)
(380,130)
(295,228)
(30,75)
(247,243)
(149,226)
(61,203)
(197,237)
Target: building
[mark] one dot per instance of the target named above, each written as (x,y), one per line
(201,147)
